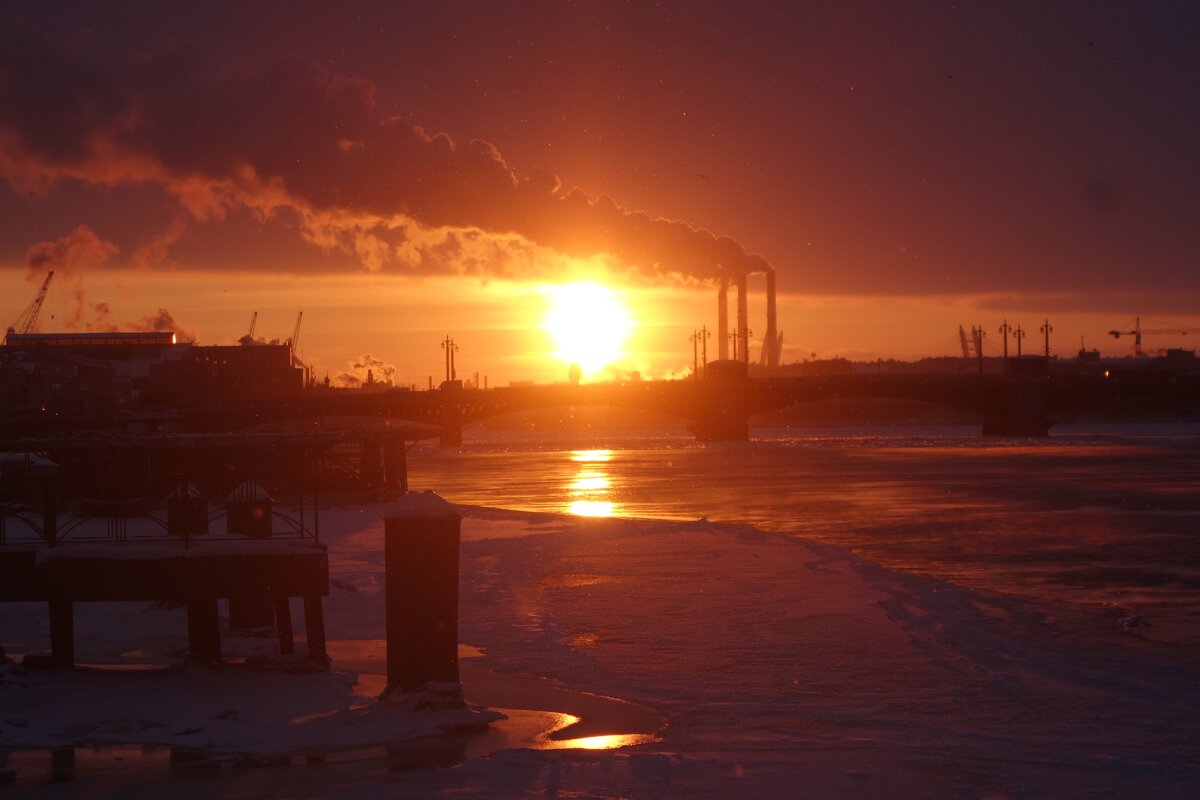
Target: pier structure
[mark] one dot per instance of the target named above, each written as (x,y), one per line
(83,525)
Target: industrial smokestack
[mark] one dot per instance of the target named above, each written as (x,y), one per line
(771,342)
(723,317)
(743,321)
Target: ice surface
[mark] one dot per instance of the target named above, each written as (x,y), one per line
(783,668)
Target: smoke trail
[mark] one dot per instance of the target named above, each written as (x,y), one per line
(295,140)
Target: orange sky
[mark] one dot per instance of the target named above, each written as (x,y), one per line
(401,320)
(905,168)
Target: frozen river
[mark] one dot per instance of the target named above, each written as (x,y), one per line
(827,613)
(1107,517)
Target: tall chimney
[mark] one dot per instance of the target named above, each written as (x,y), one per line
(723,318)
(743,321)
(772,337)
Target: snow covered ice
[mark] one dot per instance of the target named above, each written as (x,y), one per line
(747,664)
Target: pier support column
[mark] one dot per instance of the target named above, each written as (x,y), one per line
(204,629)
(283,621)
(420,544)
(314,628)
(62,633)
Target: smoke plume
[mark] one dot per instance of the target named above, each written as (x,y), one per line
(297,142)
(366,365)
(70,257)
(102,321)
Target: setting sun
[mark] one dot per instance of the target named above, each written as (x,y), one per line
(588,323)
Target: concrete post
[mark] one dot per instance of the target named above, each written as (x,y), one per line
(420,546)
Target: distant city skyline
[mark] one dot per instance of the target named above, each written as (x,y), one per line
(404,173)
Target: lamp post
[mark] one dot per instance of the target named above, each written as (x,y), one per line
(695,337)
(1005,329)
(1047,330)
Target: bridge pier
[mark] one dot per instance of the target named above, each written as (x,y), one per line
(721,426)
(1018,408)
(720,411)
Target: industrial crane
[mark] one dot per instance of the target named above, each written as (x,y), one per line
(248,339)
(1138,330)
(295,340)
(28,318)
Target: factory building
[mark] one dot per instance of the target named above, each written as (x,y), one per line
(98,373)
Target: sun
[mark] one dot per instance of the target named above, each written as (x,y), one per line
(588,324)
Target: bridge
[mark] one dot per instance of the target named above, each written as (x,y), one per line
(719,409)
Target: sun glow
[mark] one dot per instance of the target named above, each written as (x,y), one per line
(588,324)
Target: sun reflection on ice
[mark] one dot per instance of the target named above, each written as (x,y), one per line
(590,508)
(611,741)
(591,455)
(591,485)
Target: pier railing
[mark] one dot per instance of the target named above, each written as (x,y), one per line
(185,520)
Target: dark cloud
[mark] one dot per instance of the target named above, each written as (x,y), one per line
(294,136)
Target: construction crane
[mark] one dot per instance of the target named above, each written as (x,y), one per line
(1138,331)
(295,340)
(248,339)
(28,319)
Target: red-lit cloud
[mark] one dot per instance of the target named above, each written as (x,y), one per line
(293,140)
